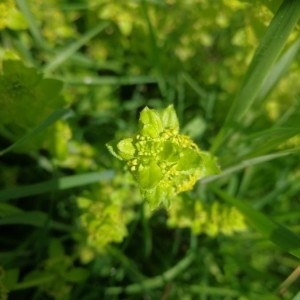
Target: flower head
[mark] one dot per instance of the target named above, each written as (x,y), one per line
(163,161)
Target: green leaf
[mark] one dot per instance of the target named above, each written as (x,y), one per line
(51,87)
(33,218)
(149,175)
(27,99)
(209,164)
(150,123)
(170,152)
(57,184)
(112,147)
(190,159)
(65,54)
(16,70)
(169,118)
(7,209)
(126,148)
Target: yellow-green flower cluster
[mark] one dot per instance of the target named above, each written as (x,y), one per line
(5,7)
(105,213)
(10,17)
(103,221)
(163,162)
(210,219)
(56,25)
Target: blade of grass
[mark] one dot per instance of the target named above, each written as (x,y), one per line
(154,48)
(278,234)
(297,297)
(33,27)
(81,60)
(249,163)
(57,115)
(42,280)
(33,218)
(55,185)
(266,54)
(109,80)
(278,70)
(8,209)
(66,53)
(285,128)
(269,139)
(194,85)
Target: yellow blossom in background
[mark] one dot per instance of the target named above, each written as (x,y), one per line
(10,16)
(6,7)
(205,218)
(104,215)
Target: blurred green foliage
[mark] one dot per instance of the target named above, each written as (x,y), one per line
(105,61)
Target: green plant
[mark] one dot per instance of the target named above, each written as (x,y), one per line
(163,162)
(170,225)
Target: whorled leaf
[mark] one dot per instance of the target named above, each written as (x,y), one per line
(169,118)
(150,123)
(149,176)
(126,148)
(163,162)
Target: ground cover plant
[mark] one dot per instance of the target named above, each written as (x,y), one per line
(149,149)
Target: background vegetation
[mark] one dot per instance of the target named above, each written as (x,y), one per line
(75,75)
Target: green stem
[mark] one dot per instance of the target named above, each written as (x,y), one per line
(155,282)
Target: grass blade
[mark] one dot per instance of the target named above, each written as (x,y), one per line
(33,27)
(55,185)
(249,163)
(109,80)
(278,234)
(35,219)
(266,54)
(57,115)
(63,55)
(155,51)
(279,70)
(269,139)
